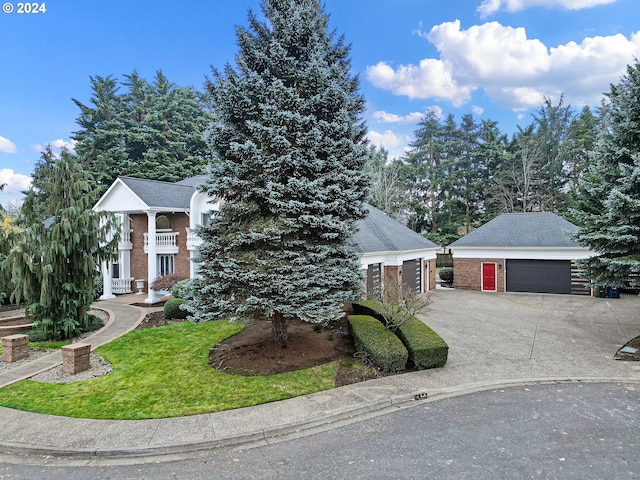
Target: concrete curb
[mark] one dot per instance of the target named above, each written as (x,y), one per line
(294,430)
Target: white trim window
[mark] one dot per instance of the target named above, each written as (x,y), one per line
(165,265)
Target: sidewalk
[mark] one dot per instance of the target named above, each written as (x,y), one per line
(495,341)
(123,317)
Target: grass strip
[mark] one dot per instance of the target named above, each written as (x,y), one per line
(164,372)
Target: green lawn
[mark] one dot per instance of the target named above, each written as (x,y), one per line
(163,372)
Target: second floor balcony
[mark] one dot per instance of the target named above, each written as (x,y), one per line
(165,242)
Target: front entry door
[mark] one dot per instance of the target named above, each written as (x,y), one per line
(489,283)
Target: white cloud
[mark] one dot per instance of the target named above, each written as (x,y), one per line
(57,146)
(477,109)
(395,144)
(15,182)
(431,78)
(7,146)
(515,71)
(386,117)
(489,7)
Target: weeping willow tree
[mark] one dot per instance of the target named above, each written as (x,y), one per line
(56,255)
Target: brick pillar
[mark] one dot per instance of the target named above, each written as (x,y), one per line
(75,358)
(14,348)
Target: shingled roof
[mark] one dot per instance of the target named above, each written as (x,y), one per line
(380,233)
(160,194)
(542,230)
(376,233)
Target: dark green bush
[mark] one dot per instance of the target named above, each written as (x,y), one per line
(172,309)
(446,274)
(369,307)
(383,347)
(426,348)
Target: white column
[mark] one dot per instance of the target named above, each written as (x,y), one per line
(107,290)
(152,265)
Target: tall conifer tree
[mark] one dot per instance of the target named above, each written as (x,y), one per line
(151,130)
(56,255)
(290,151)
(609,209)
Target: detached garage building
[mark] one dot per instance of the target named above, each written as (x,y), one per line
(391,252)
(520,252)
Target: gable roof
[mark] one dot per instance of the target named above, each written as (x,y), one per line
(157,194)
(376,233)
(380,233)
(192,181)
(543,230)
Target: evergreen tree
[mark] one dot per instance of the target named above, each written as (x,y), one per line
(552,130)
(423,176)
(153,130)
(581,139)
(56,255)
(609,213)
(290,152)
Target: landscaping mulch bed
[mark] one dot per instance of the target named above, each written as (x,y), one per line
(252,352)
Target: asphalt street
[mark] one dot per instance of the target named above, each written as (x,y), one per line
(554,431)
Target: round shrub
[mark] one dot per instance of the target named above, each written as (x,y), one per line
(172,309)
(446,274)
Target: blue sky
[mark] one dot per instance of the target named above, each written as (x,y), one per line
(496,59)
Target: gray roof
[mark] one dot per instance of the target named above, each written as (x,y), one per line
(381,233)
(192,181)
(544,230)
(376,233)
(160,194)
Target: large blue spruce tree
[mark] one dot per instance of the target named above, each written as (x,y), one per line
(289,161)
(609,201)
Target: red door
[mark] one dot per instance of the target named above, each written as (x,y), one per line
(489,277)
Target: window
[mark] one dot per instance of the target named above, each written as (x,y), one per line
(163,223)
(165,265)
(205,218)
(115,270)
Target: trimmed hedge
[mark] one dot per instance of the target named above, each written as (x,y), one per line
(426,348)
(385,349)
(172,309)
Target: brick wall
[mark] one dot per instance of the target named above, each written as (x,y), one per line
(179,223)
(393,274)
(138,257)
(467,273)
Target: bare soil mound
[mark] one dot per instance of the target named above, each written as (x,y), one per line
(252,352)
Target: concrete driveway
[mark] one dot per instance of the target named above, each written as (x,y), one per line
(534,335)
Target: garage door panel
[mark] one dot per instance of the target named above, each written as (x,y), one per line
(412,274)
(538,276)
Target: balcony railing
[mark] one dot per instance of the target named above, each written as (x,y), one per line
(193,240)
(165,242)
(125,239)
(121,285)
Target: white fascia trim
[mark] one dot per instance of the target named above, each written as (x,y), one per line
(392,258)
(523,253)
(98,208)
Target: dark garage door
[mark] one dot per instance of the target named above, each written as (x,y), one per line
(539,276)
(412,274)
